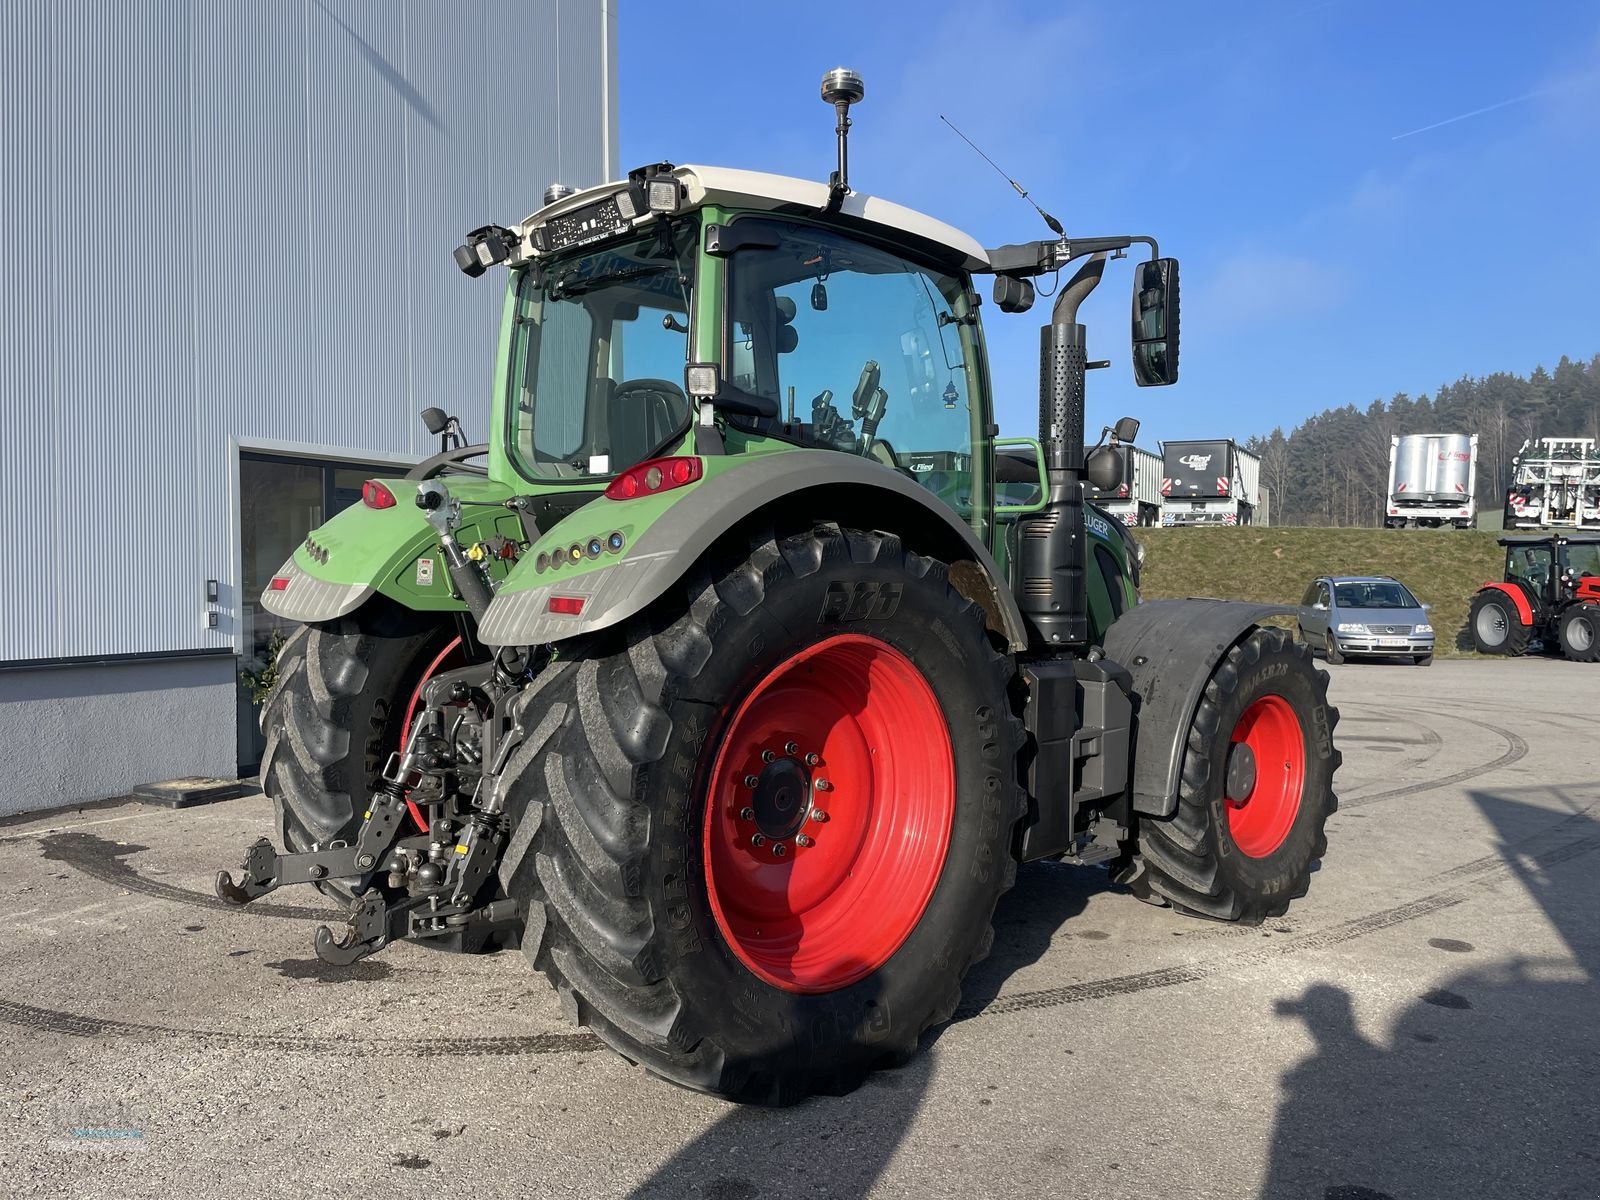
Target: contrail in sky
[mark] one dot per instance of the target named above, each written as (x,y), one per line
(1478,112)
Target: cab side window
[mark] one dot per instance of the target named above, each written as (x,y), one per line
(867,352)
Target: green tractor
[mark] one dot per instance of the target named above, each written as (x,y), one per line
(737,673)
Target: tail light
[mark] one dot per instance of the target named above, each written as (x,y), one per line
(569,606)
(376,495)
(655,475)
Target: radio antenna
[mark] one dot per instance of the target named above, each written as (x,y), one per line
(1054,224)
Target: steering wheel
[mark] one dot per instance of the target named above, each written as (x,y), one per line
(665,388)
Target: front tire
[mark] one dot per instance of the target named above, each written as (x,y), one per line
(1579,633)
(1330,651)
(1496,627)
(663,924)
(1255,792)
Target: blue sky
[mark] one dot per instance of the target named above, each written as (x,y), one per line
(1330,254)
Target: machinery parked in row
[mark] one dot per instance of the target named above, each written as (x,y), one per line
(1555,483)
(1210,483)
(1433,478)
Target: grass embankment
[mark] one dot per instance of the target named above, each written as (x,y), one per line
(1444,568)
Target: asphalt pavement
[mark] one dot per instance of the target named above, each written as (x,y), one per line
(1425,1023)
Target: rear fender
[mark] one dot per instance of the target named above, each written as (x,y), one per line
(1170,647)
(394,550)
(663,535)
(1519,599)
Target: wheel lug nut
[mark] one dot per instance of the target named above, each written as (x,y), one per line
(779,849)
(747,813)
(802,841)
(822,785)
(767,756)
(791,747)
(757,839)
(818,816)
(813,759)
(750,781)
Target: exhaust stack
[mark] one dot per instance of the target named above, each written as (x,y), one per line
(1052,548)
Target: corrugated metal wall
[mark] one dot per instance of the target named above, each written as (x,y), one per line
(231,220)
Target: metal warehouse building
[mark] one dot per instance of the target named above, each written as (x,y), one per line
(226,228)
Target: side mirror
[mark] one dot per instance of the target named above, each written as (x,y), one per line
(1012,295)
(436,420)
(1104,469)
(1126,430)
(1155,322)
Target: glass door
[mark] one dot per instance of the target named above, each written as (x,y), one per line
(281,500)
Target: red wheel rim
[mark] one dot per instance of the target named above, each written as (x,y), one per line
(438,664)
(841,756)
(1260,819)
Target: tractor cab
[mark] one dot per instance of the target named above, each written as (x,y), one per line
(1554,570)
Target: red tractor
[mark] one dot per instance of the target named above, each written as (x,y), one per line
(1551,591)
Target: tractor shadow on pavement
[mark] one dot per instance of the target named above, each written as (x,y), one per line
(1486,1087)
(839,1146)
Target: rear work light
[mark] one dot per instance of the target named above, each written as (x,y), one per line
(655,475)
(376,495)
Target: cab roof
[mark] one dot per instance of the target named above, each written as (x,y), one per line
(728,186)
(1581,536)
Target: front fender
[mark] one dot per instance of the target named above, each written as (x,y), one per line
(1519,599)
(664,534)
(1170,647)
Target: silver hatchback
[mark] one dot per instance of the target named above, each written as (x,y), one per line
(1365,614)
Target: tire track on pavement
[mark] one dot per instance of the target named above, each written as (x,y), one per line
(1462,879)
(1516,750)
(103,860)
(1488,869)
(51,1020)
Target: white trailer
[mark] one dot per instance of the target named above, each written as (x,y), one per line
(1210,483)
(1138,500)
(1433,478)
(1555,483)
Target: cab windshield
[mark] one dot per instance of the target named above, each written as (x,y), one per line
(598,345)
(865,352)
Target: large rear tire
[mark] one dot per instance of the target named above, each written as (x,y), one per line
(1495,626)
(1578,631)
(1255,792)
(335,715)
(830,670)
